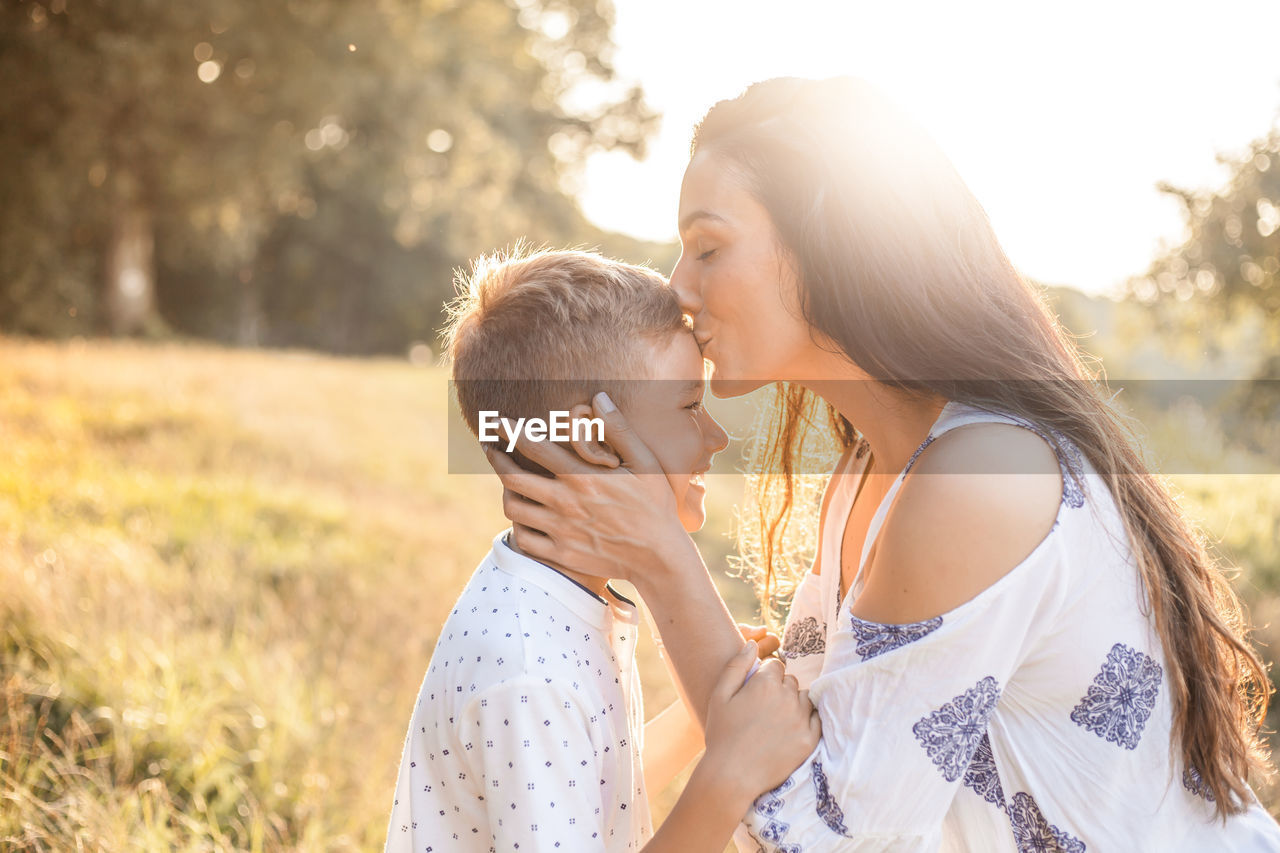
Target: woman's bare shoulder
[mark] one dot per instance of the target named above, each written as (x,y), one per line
(977,502)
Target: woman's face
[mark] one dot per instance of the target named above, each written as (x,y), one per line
(734,281)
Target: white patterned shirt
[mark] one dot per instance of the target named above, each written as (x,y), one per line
(529,724)
(1034,717)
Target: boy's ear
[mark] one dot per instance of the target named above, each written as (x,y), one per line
(595,452)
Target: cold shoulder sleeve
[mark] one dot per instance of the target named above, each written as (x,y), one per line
(807,630)
(804,637)
(905,712)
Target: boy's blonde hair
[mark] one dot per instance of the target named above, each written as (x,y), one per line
(530,332)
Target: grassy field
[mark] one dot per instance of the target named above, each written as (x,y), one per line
(222,574)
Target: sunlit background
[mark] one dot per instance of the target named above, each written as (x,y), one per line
(1062,119)
(228,229)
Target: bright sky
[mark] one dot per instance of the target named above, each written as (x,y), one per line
(1061,117)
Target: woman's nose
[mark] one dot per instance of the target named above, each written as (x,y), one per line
(684,283)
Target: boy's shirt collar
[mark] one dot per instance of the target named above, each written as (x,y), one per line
(593,609)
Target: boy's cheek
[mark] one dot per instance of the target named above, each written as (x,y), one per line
(694,510)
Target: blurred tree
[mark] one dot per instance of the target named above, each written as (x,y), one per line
(296,173)
(1221,287)
(1230,259)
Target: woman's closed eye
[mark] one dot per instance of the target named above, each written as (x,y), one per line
(703,256)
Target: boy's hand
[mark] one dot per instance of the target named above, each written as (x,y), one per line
(758,732)
(767,642)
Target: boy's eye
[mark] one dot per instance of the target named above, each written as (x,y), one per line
(695,406)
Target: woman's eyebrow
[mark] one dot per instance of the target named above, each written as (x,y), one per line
(687,222)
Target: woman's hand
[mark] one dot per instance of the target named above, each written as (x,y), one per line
(621,522)
(617,522)
(760,731)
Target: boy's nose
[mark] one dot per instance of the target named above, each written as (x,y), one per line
(715,436)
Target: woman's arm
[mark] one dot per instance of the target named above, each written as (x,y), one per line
(673,737)
(621,523)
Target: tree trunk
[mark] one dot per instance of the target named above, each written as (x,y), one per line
(130,286)
(252,319)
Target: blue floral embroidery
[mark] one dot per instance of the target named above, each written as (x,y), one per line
(828,809)
(804,637)
(1121,697)
(767,805)
(1072,465)
(1034,834)
(982,775)
(950,735)
(914,456)
(774,831)
(1070,462)
(876,639)
(1192,782)
(780,848)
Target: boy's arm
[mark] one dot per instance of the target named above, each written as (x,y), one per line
(705,816)
(757,732)
(672,739)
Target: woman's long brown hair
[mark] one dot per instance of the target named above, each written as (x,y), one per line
(900,269)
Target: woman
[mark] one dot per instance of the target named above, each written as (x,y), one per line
(1031,653)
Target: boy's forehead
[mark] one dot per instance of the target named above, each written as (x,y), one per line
(675,357)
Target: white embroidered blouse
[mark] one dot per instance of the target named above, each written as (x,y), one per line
(1034,717)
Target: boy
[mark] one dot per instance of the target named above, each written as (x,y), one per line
(529,731)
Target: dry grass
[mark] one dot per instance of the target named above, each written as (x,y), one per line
(223,575)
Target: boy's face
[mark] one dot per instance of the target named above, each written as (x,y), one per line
(668,416)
